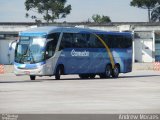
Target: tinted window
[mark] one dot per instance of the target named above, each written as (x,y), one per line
(94,41)
(77,40)
(118,41)
(50,49)
(67,40)
(54,36)
(128,41)
(74,40)
(80,40)
(99,44)
(51,45)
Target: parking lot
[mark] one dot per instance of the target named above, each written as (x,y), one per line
(136,92)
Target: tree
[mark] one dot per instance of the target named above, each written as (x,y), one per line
(49,9)
(145,4)
(101,19)
(155,14)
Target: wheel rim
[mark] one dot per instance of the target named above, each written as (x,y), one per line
(108,71)
(116,71)
(59,72)
(92,76)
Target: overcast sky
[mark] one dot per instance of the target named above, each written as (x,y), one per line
(117,10)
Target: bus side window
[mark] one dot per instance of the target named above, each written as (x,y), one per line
(120,41)
(67,40)
(128,41)
(107,40)
(92,41)
(51,45)
(80,40)
(99,44)
(55,38)
(50,49)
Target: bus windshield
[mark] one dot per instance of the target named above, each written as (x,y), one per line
(30,50)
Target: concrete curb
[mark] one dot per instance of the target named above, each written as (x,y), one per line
(143,66)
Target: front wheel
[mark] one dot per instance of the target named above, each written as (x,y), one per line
(32,77)
(116,71)
(58,73)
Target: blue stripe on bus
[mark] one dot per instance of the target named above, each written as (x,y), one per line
(33,34)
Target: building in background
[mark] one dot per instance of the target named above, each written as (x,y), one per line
(146,42)
(9,33)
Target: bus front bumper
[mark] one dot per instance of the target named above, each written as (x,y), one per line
(37,72)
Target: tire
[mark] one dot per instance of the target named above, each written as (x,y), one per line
(116,71)
(92,76)
(58,73)
(102,76)
(108,71)
(84,76)
(32,77)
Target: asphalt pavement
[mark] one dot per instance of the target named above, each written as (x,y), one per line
(135,92)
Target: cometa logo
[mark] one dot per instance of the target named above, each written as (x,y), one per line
(78,53)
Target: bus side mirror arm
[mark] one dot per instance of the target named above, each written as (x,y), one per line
(10,45)
(10,49)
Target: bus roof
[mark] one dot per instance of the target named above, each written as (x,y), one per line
(40,31)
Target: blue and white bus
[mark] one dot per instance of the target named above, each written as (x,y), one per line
(56,51)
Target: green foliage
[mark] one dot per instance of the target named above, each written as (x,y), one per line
(145,4)
(49,9)
(101,19)
(155,15)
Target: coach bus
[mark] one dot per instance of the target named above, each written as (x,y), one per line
(56,51)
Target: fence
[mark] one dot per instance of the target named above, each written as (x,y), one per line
(156,66)
(1,69)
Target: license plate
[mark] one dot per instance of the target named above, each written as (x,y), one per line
(27,72)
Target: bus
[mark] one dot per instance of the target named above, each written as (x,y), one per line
(56,51)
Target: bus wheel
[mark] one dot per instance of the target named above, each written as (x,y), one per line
(115,72)
(84,76)
(102,76)
(108,71)
(58,73)
(32,77)
(92,76)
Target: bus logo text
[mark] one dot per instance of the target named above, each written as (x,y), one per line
(78,53)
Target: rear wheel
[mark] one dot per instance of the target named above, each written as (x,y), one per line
(92,76)
(102,76)
(108,71)
(116,71)
(58,73)
(32,77)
